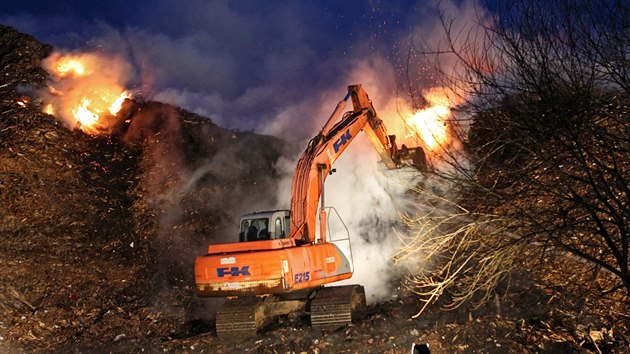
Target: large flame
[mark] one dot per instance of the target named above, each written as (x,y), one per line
(430,123)
(85,88)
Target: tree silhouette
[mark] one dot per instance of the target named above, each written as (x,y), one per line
(544,172)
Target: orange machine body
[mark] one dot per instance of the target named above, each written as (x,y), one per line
(268,267)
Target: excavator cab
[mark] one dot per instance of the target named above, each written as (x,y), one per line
(265,225)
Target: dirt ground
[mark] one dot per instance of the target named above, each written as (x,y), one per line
(95,258)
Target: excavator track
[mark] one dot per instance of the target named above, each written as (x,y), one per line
(243,316)
(237,317)
(338,306)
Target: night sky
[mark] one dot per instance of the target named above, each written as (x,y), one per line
(250,65)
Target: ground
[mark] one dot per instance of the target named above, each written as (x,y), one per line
(98,236)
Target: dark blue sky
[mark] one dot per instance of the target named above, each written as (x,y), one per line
(257,65)
(347,19)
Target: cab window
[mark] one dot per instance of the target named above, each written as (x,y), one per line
(254,229)
(278,232)
(244,225)
(287,225)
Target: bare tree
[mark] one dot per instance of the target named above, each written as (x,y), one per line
(547,146)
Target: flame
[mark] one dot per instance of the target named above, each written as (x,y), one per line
(430,123)
(48,109)
(84,115)
(117,104)
(86,88)
(68,65)
(89,111)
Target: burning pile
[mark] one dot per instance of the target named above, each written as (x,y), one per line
(428,126)
(430,123)
(86,88)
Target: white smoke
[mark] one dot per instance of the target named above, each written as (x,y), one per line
(370,202)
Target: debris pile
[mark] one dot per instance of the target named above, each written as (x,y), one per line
(99,232)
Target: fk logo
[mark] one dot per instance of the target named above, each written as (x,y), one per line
(342,140)
(233,271)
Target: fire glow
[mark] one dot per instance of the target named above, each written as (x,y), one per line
(85,88)
(430,123)
(67,65)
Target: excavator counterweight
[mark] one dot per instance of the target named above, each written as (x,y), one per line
(283,262)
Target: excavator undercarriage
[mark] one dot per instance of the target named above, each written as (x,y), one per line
(330,308)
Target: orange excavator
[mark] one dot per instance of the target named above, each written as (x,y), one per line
(284,258)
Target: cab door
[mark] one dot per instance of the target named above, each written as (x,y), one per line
(278,228)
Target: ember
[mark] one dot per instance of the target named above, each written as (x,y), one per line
(23,102)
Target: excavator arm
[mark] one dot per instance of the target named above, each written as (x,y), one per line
(324,149)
